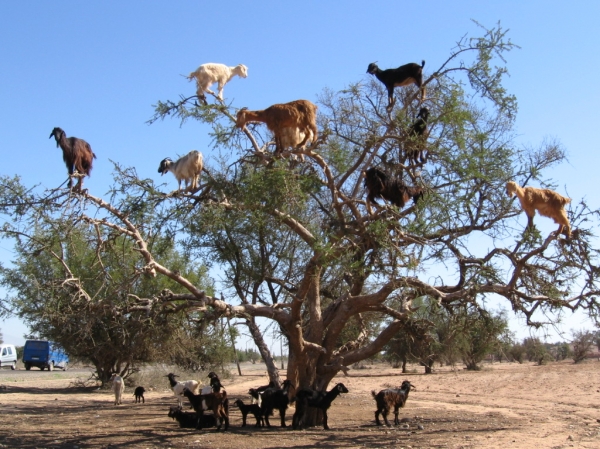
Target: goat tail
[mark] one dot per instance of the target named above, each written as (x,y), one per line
(373,393)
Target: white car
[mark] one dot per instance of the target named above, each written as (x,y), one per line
(8,356)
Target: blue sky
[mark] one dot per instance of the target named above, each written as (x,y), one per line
(96,68)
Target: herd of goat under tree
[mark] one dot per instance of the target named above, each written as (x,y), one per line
(265,400)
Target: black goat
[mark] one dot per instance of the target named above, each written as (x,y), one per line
(386,399)
(212,401)
(257,392)
(250,408)
(307,397)
(189,420)
(274,398)
(380,185)
(77,154)
(139,394)
(404,75)
(417,133)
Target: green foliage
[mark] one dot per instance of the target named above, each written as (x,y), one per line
(480,335)
(248,355)
(92,315)
(517,353)
(583,342)
(536,351)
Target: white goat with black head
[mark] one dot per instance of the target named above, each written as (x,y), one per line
(186,168)
(178,387)
(210,73)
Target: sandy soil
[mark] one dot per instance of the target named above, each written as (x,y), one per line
(502,406)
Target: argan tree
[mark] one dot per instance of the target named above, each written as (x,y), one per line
(75,288)
(294,240)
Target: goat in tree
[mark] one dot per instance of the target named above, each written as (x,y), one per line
(547,202)
(417,134)
(380,185)
(411,73)
(300,114)
(77,154)
(210,73)
(187,168)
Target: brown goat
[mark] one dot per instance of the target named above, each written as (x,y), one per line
(212,401)
(391,398)
(547,202)
(380,185)
(299,114)
(77,154)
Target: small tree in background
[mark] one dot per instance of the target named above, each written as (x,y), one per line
(583,342)
(517,352)
(89,313)
(536,351)
(561,351)
(479,335)
(597,339)
(1,337)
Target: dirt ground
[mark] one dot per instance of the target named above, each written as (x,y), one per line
(502,406)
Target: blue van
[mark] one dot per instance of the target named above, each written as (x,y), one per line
(44,354)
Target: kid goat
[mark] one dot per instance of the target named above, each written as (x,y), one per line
(186,168)
(210,73)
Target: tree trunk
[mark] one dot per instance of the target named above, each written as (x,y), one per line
(263,349)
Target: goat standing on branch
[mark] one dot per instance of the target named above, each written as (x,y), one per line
(417,135)
(186,168)
(299,114)
(404,75)
(380,185)
(210,73)
(77,154)
(547,202)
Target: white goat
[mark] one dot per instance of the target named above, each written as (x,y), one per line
(178,387)
(186,168)
(210,73)
(118,387)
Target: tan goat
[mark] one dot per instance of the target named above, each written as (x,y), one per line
(298,114)
(547,202)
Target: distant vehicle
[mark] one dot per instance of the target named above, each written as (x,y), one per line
(8,356)
(44,354)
